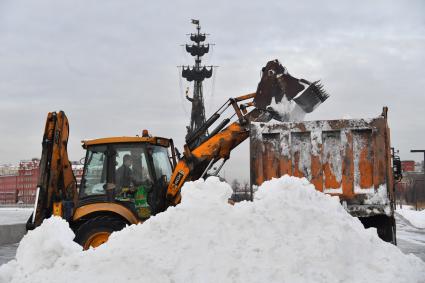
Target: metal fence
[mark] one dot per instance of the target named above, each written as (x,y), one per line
(14,205)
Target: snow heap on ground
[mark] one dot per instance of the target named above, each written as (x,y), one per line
(416,218)
(290,233)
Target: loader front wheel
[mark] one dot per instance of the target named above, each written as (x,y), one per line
(95,231)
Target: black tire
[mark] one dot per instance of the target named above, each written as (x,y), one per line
(384,225)
(98,226)
(386,230)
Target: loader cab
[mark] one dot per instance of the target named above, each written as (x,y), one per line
(130,171)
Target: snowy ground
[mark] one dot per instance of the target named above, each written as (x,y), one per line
(13,215)
(416,218)
(410,239)
(204,239)
(7,253)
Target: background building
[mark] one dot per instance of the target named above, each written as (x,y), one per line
(8,189)
(18,184)
(27,180)
(8,169)
(77,169)
(408,165)
(410,190)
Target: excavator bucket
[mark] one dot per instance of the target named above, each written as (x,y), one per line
(276,82)
(312,96)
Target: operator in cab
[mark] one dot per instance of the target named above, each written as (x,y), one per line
(131,174)
(124,174)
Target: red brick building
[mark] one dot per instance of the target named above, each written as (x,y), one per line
(408,165)
(27,180)
(20,185)
(8,189)
(77,169)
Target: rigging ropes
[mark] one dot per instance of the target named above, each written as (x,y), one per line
(212,89)
(211,98)
(182,99)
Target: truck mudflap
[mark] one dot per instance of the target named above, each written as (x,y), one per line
(346,158)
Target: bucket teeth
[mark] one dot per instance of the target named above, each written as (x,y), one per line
(320,91)
(311,97)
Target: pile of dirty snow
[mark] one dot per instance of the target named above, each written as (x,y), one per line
(290,233)
(416,218)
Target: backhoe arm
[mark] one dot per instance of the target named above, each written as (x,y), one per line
(275,83)
(218,145)
(56,187)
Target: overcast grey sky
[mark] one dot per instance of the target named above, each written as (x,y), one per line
(111,65)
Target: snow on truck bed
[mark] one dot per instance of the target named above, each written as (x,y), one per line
(290,233)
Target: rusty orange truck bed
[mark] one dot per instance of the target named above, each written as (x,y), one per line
(347,158)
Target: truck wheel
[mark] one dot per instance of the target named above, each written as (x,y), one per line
(96,231)
(387,229)
(384,225)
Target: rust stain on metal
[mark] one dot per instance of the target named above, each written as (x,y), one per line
(316,172)
(271,162)
(301,127)
(348,167)
(365,168)
(285,166)
(296,159)
(329,178)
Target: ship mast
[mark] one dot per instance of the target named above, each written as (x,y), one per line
(197,74)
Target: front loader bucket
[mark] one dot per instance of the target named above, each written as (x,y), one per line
(276,82)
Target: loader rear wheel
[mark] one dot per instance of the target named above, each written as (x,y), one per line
(95,231)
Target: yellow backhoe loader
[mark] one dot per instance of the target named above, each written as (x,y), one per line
(128,179)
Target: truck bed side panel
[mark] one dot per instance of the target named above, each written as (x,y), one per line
(348,158)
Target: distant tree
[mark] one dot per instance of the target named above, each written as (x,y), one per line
(235,185)
(245,187)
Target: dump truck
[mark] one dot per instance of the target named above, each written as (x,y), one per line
(348,158)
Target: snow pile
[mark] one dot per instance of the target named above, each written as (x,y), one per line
(290,233)
(287,111)
(43,247)
(416,218)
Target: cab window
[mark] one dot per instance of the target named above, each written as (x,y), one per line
(95,172)
(131,168)
(161,162)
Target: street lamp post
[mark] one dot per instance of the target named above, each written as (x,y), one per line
(423,151)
